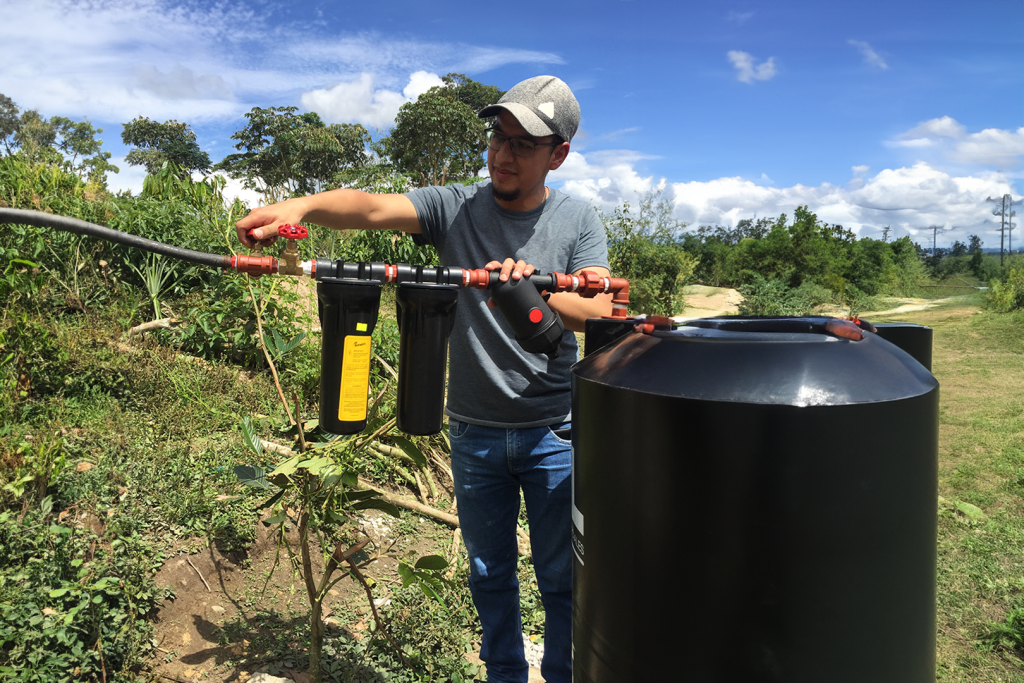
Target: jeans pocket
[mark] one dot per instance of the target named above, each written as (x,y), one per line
(562,433)
(456,429)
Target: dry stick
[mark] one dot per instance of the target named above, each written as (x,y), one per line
(200,574)
(298,420)
(404,473)
(430,483)
(380,624)
(161,324)
(384,428)
(420,489)
(266,353)
(414,505)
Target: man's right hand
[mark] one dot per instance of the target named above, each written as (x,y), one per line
(267,219)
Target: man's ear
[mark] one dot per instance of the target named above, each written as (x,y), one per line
(558,156)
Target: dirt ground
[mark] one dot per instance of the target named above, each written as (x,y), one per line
(706,302)
(229,620)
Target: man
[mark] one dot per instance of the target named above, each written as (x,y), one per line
(503,403)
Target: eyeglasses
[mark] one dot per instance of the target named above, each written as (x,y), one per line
(521,147)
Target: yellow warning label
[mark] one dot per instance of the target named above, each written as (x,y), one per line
(355,379)
(361,327)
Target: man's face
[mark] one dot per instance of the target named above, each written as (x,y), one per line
(514,177)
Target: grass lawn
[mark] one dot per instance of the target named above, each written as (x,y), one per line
(979,361)
(140,443)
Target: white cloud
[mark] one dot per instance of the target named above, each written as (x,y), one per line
(360,102)
(871,57)
(603,178)
(949,140)
(746,71)
(130,178)
(111,61)
(739,17)
(909,199)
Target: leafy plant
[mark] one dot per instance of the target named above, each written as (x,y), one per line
(1008,295)
(155,274)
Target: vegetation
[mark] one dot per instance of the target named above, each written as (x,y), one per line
(120,453)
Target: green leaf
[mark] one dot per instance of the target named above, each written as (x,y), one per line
(432,563)
(269,502)
(252,476)
(275,519)
(430,592)
(350,479)
(352,496)
(288,467)
(378,504)
(57,592)
(337,518)
(971,511)
(250,438)
(406,572)
(410,449)
(315,465)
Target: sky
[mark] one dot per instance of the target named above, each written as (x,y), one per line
(905,114)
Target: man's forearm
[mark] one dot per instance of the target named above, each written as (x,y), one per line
(345,209)
(574,309)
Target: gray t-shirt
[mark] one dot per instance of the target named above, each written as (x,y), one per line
(491,380)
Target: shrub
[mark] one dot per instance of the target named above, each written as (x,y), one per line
(1007,296)
(70,607)
(644,250)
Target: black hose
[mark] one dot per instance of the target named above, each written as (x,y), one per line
(80,227)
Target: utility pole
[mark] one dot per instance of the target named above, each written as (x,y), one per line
(1006,214)
(935,234)
(885,233)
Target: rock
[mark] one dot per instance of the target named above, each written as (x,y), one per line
(332,623)
(217,609)
(261,677)
(184,582)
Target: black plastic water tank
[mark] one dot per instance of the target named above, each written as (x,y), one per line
(754,505)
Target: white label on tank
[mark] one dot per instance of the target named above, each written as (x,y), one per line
(577,516)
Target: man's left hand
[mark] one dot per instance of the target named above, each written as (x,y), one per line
(509,268)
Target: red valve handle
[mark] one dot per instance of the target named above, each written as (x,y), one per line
(288,231)
(293,232)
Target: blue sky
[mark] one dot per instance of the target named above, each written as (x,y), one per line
(900,113)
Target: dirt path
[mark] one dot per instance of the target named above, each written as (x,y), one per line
(912,305)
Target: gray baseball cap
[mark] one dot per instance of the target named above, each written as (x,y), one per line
(543,105)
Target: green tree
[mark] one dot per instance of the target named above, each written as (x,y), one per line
(157,142)
(644,249)
(437,139)
(8,122)
(83,152)
(35,138)
(471,93)
(284,154)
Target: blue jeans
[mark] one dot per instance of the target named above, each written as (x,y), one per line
(490,465)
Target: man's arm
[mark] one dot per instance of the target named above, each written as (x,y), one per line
(338,209)
(574,310)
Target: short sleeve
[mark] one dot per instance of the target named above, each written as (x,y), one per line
(592,248)
(435,208)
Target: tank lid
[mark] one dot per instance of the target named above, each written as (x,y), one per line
(784,361)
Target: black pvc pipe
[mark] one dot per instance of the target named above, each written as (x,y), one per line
(80,227)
